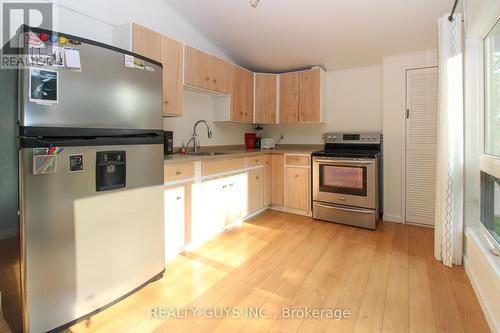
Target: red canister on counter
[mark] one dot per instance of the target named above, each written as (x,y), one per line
(250,140)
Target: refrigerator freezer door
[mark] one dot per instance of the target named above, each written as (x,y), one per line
(104,94)
(84,249)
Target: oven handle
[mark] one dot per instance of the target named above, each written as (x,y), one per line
(364,211)
(338,161)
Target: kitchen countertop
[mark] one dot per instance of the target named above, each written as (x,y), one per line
(240,151)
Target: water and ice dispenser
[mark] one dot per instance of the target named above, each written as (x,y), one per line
(110,170)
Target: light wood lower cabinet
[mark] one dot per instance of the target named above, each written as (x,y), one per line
(297,188)
(267,180)
(255,190)
(277,179)
(177,218)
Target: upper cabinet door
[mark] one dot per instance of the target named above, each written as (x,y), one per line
(310,96)
(265,98)
(146,42)
(198,71)
(207,72)
(221,80)
(289,98)
(171,58)
(242,95)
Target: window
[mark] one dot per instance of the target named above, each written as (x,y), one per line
(490,156)
(490,204)
(492,92)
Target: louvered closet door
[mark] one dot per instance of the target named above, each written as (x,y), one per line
(421,144)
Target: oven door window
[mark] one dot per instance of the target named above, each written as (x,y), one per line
(343,179)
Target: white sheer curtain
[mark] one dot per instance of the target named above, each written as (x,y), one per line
(449,178)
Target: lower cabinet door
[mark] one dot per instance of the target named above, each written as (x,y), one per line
(297,190)
(236,198)
(255,190)
(213,218)
(267,181)
(177,219)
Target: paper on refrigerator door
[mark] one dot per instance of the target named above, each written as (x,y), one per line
(72,57)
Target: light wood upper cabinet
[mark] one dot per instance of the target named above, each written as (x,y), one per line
(277,179)
(198,68)
(221,76)
(207,72)
(289,97)
(172,60)
(310,96)
(297,184)
(242,95)
(146,42)
(265,98)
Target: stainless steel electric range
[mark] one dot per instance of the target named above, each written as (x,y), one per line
(347,179)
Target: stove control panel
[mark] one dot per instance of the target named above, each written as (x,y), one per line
(353,138)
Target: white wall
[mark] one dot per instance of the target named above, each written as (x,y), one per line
(199,106)
(394,100)
(95,20)
(354,103)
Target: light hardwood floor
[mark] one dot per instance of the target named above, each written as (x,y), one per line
(387,279)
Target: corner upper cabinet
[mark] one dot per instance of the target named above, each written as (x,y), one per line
(241,95)
(206,72)
(312,96)
(289,98)
(146,42)
(172,60)
(265,98)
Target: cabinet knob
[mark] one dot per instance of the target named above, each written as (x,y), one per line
(214,80)
(257,177)
(241,112)
(178,173)
(207,79)
(230,185)
(167,101)
(224,186)
(296,176)
(246,113)
(178,198)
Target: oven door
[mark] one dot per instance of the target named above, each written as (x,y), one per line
(342,181)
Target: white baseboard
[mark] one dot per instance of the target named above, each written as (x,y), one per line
(490,315)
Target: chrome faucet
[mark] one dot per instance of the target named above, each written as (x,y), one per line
(194,138)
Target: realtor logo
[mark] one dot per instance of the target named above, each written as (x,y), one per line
(15,14)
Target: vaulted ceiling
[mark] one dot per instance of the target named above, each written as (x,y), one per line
(287,34)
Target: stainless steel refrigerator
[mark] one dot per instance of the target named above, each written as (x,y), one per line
(87,166)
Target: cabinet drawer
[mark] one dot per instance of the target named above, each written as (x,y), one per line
(256,160)
(302,160)
(213,167)
(179,172)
